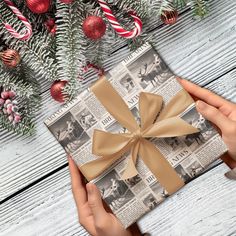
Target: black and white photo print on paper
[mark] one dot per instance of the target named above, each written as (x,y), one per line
(207,131)
(174,143)
(133,181)
(86,118)
(181,172)
(114,191)
(69,133)
(127,83)
(117,128)
(149,70)
(159,191)
(194,169)
(150,201)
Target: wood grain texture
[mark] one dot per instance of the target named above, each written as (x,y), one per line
(206,206)
(200,51)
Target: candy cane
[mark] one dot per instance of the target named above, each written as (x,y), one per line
(117,27)
(28,32)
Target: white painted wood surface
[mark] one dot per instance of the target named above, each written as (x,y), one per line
(200,51)
(206,206)
(203,52)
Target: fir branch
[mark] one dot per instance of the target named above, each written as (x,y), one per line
(37,52)
(200,8)
(68,54)
(23,83)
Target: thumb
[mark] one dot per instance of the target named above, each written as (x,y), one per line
(95,203)
(214,115)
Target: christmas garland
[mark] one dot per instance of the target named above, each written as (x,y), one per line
(59,41)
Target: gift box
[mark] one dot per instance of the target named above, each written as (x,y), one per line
(137,135)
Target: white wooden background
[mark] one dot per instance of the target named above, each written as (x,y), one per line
(35,193)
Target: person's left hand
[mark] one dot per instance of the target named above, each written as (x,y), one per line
(92,214)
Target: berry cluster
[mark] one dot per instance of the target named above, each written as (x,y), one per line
(8,106)
(51,26)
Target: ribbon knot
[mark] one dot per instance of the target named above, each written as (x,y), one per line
(111,147)
(137,135)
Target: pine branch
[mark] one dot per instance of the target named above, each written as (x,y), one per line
(68,54)
(38,52)
(200,8)
(23,83)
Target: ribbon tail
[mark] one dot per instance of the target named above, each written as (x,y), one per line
(170,127)
(176,105)
(160,167)
(93,169)
(130,169)
(107,144)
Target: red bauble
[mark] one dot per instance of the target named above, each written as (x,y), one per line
(56,90)
(10,57)
(169,17)
(94,27)
(66,1)
(38,6)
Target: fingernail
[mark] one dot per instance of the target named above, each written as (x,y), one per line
(231,174)
(201,105)
(89,187)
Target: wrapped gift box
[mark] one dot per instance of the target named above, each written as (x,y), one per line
(74,125)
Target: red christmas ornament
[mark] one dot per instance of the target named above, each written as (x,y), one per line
(169,17)
(38,6)
(10,57)
(94,27)
(67,1)
(56,90)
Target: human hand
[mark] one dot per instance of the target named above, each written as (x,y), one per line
(219,111)
(92,215)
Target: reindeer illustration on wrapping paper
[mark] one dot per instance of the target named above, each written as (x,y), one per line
(152,74)
(204,133)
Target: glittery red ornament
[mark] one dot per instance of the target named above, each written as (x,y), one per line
(38,6)
(56,90)
(10,57)
(66,1)
(94,27)
(169,17)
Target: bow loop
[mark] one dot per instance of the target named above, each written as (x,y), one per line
(106,144)
(149,114)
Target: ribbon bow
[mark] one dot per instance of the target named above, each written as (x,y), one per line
(110,147)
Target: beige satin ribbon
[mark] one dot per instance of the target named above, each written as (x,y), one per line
(110,147)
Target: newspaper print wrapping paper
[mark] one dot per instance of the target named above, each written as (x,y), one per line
(189,155)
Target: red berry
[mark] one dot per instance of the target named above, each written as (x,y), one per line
(12,94)
(17,118)
(5,95)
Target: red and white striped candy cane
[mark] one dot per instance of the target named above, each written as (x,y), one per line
(28,32)
(117,27)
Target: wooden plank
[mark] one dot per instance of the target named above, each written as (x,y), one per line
(31,212)
(225,86)
(200,51)
(206,206)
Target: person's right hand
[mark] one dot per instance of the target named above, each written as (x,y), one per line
(219,111)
